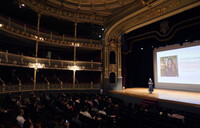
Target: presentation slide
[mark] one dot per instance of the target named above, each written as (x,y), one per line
(177,66)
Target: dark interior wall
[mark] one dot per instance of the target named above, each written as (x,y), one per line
(139,65)
(20,15)
(16,45)
(88,77)
(88,55)
(61,53)
(10,74)
(138,45)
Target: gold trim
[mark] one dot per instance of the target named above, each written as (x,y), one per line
(117,31)
(81,64)
(23,32)
(177,11)
(161,40)
(172,28)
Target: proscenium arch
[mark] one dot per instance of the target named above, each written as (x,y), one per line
(147,15)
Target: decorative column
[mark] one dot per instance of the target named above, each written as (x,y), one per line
(6,56)
(74,71)
(74,54)
(106,60)
(38,24)
(119,60)
(101,77)
(75,34)
(36,48)
(112,45)
(38,35)
(35,76)
(75,31)
(74,78)
(119,66)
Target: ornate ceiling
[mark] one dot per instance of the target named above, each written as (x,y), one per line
(91,11)
(156,11)
(117,16)
(105,6)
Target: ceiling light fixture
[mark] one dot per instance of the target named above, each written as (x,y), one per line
(74,68)
(41,38)
(36,65)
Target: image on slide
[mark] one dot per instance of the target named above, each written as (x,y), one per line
(169,66)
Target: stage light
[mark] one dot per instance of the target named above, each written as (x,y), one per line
(102,29)
(23,5)
(99,36)
(142,48)
(1,25)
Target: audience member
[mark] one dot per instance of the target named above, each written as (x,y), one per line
(20,119)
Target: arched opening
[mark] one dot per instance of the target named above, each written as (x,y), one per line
(112,77)
(112,57)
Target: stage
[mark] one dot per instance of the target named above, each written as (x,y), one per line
(172,96)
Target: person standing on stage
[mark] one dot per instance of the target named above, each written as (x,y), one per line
(150,83)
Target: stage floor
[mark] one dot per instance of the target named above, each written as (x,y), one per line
(173,96)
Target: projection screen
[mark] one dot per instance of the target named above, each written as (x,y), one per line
(177,67)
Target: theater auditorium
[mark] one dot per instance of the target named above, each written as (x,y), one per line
(99,63)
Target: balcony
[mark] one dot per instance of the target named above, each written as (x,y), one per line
(39,87)
(23,32)
(9,59)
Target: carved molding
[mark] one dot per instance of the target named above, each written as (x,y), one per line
(162,9)
(113,68)
(67,14)
(147,2)
(10,59)
(167,36)
(147,15)
(164,27)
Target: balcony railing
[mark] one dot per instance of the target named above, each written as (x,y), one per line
(24,32)
(39,87)
(10,59)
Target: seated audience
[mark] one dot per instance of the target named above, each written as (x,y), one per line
(88,111)
(20,119)
(28,124)
(62,123)
(85,112)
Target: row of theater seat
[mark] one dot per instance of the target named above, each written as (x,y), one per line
(14,76)
(51,107)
